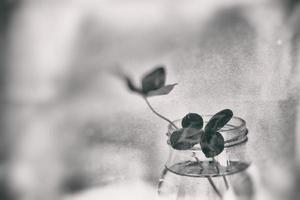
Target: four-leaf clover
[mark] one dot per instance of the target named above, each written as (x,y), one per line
(210,140)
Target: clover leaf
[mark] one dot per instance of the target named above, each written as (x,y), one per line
(219,120)
(192,120)
(153,83)
(161,91)
(212,144)
(154,80)
(185,138)
(131,86)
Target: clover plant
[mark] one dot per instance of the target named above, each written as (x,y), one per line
(152,84)
(192,132)
(210,140)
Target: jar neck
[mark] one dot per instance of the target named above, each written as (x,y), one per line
(234,132)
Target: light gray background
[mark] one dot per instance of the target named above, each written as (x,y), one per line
(65,102)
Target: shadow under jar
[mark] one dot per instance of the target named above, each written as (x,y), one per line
(189,175)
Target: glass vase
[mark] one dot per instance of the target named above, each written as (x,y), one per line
(189,175)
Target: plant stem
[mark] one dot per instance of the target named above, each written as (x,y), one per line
(218,170)
(159,115)
(214,186)
(210,180)
(226,182)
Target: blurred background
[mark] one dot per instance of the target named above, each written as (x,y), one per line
(70,129)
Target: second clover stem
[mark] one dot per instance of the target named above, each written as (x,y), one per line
(218,170)
(159,115)
(214,186)
(226,182)
(210,180)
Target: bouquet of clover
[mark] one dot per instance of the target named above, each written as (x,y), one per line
(192,131)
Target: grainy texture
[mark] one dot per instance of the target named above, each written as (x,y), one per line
(61,89)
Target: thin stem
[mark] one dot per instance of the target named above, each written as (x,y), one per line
(216,164)
(214,186)
(226,182)
(210,180)
(159,115)
(218,170)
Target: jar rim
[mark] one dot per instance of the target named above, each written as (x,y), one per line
(241,125)
(238,131)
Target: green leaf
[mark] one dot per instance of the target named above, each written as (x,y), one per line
(192,120)
(154,80)
(131,86)
(212,144)
(185,138)
(161,91)
(219,120)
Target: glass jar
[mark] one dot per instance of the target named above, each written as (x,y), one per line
(189,175)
